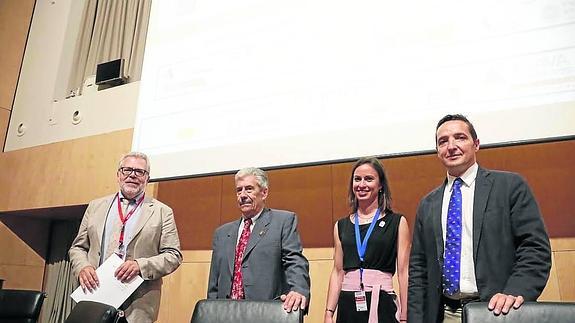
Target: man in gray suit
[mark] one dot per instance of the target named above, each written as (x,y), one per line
(478,236)
(139,229)
(259,256)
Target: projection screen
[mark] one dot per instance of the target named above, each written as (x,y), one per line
(268,83)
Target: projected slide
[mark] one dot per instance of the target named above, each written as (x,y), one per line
(228,84)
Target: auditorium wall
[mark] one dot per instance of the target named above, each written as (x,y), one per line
(318,195)
(58,179)
(20,265)
(43,103)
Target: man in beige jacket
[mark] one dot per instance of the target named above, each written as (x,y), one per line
(139,229)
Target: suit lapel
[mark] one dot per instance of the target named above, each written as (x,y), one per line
(102,212)
(436,220)
(258,231)
(232,238)
(482,188)
(145,214)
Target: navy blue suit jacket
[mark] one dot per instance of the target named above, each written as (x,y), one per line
(511,249)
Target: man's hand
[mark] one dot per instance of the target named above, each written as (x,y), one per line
(127,271)
(88,279)
(293,301)
(501,303)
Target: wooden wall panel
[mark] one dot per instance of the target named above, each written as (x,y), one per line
(185,287)
(306,191)
(564,263)
(17,252)
(196,204)
(230,211)
(340,185)
(15,18)
(552,292)
(60,174)
(21,266)
(320,266)
(26,239)
(201,204)
(182,289)
(410,179)
(319,193)
(563,244)
(4,120)
(549,168)
(310,191)
(22,276)
(213,200)
(50,178)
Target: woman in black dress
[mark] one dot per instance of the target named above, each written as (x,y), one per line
(362,265)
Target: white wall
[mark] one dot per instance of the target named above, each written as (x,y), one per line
(39,104)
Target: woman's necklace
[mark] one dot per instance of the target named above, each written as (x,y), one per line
(365,219)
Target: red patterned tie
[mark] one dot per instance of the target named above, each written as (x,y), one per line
(238,283)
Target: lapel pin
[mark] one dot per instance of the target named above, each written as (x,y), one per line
(262,232)
(381,224)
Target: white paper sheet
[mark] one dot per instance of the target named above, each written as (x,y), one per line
(111,291)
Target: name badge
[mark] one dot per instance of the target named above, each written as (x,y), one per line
(121,252)
(360,301)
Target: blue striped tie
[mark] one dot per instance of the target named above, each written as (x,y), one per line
(452,254)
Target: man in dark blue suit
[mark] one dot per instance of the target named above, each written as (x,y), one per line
(487,242)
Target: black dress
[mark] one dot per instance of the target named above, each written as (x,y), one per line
(381,254)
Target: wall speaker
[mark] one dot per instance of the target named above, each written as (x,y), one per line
(111,73)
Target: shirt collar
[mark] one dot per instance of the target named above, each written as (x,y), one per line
(468,177)
(136,198)
(255,217)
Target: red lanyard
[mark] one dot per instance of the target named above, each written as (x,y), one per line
(125,219)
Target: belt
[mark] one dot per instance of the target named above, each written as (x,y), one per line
(458,303)
(375,281)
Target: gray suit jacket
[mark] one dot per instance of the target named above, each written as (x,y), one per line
(155,246)
(273,262)
(511,248)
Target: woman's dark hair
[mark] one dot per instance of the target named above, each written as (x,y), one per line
(383,195)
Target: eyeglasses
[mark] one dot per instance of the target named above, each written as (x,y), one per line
(127,171)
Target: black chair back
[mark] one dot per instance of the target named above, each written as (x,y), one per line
(94,312)
(540,312)
(22,306)
(242,311)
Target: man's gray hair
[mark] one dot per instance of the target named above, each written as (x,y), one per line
(136,154)
(259,174)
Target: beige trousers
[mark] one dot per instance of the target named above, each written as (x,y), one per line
(452,316)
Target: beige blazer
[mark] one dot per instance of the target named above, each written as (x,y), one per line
(155,247)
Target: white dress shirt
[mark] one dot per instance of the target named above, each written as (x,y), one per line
(467,284)
(113,221)
(241,228)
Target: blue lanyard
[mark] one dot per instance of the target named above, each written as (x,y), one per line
(362,246)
